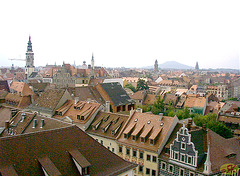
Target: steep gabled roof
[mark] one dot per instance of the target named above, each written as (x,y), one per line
(86,93)
(50,98)
(21,88)
(194,101)
(58,151)
(25,122)
(117,94)
(79,112)
(4,85)
(107,124)
(139,95)
(152,128)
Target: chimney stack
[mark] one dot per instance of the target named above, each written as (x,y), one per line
(139,110)
(42,123)
(204,127)
(107,106)
(160,116)
(23,117)
(34,123)
(7,125)
(76,100)
(189,125)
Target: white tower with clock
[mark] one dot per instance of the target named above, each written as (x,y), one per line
(29,68)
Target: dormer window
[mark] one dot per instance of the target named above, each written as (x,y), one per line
(134,138)
(142,139)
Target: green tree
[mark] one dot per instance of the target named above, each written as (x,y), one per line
(181,114)
(142,85)
(211,122)
(158,106)
(130,86)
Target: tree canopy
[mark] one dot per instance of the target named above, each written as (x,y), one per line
(130,86)
(142,85)
(211,122)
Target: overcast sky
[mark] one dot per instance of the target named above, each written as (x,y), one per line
(130,33)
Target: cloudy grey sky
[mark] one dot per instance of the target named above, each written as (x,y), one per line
(130,33)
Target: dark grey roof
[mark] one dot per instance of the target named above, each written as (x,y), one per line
(57,152)
(33,75)
(117,94)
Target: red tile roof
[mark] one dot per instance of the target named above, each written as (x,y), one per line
(151,124)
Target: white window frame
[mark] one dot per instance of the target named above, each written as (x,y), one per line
(175,155)
(182,145)
(181,154)
(190,172)
(162,165)
(181,169)
(188,156)
(169,165)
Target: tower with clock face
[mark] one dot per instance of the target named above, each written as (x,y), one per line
(29,67)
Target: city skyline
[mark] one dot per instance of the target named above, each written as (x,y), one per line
(122,34)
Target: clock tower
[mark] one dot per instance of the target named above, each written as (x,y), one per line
(29,67)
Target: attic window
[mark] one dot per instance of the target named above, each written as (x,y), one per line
(149,122)
(232,155)
(142,139)
(135,120)
(161,124)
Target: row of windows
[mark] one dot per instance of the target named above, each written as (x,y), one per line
(101,142)
(140,155)
(188,159)
(147,171)
(171,169)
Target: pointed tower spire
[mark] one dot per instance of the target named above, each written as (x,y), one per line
(92,61)
(29,47)
(197,66)
(207,164)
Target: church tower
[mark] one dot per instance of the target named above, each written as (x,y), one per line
(29,68)
(197,66)
(92,72)
(156,66)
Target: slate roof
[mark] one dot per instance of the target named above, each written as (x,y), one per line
(117,94)
(55,152)
(4,85)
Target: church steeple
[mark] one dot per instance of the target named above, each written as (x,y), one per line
(29,47)
(197,66)
(92,62)
(156,66)
(29,67)
(92,72)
